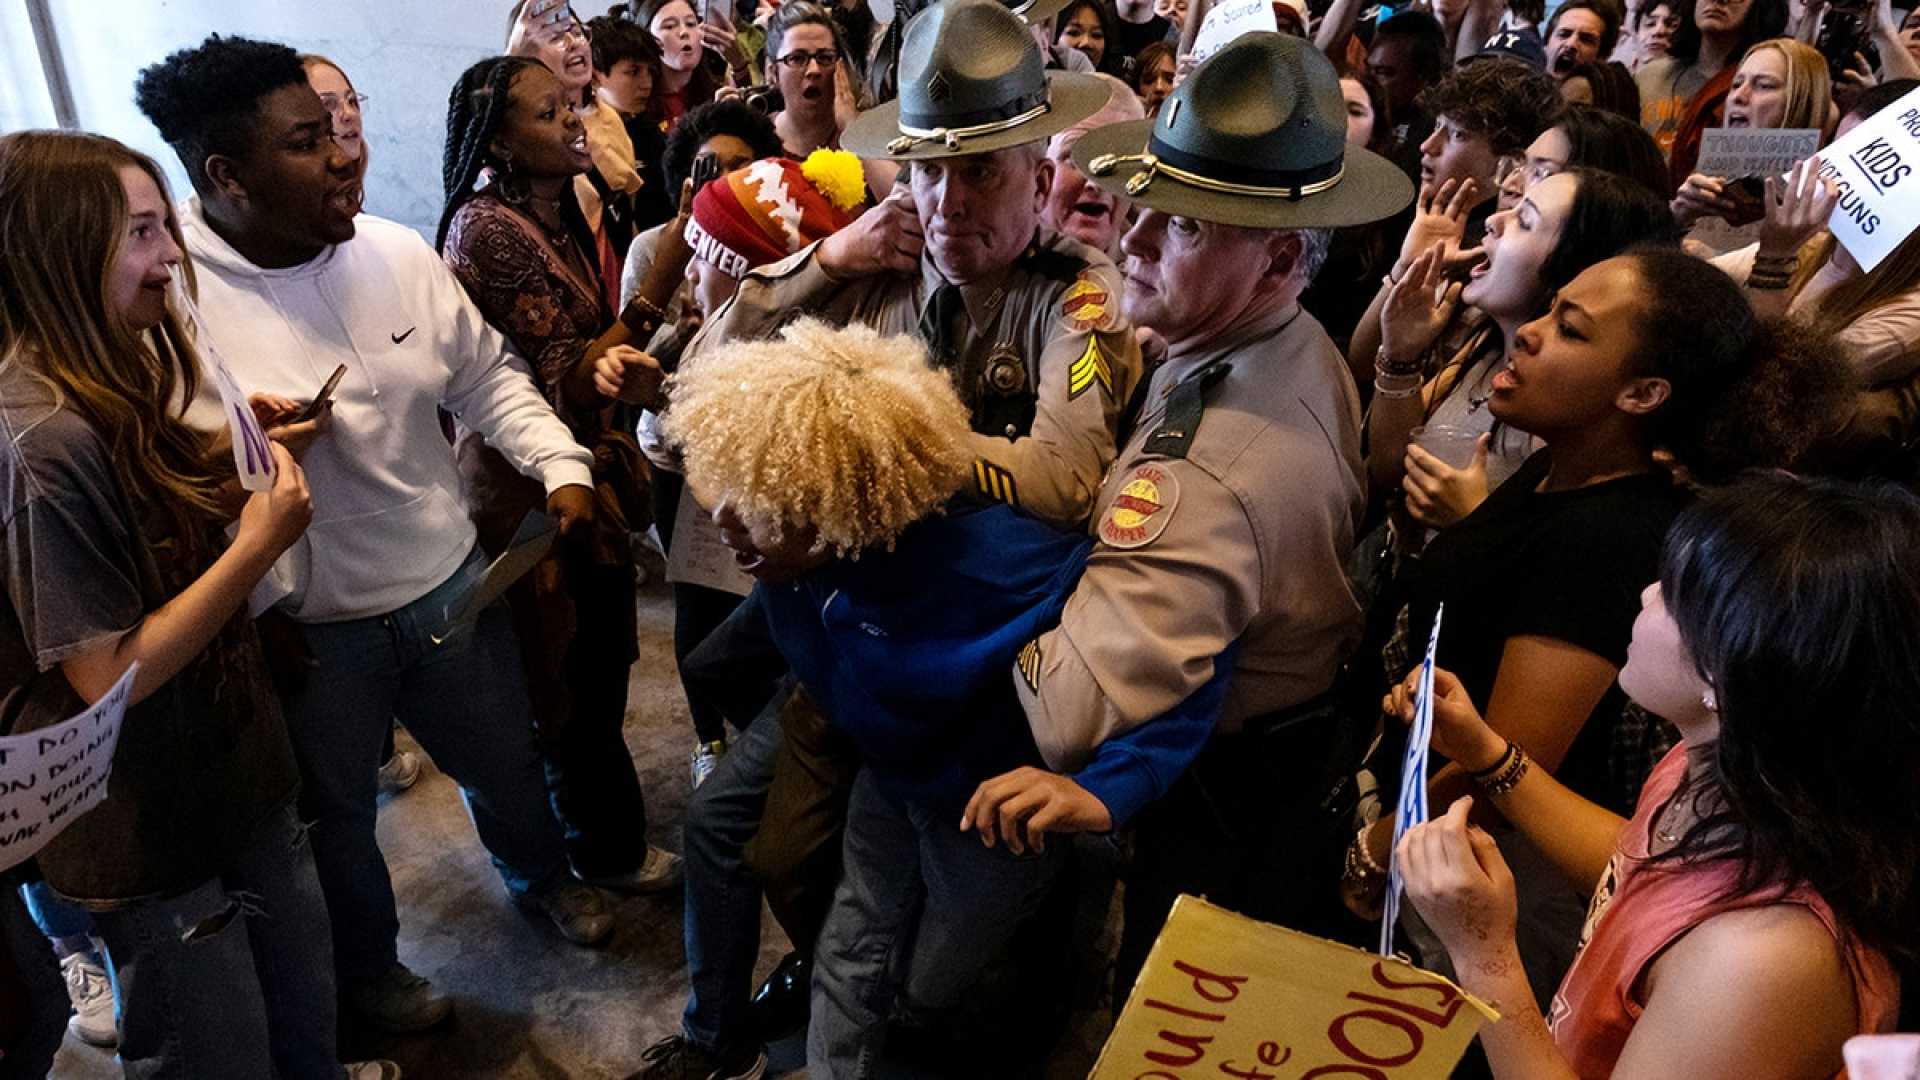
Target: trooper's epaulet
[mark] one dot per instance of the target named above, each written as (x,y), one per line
(1051,263)
(1185,406)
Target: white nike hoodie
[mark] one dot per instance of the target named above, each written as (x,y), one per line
(390,521)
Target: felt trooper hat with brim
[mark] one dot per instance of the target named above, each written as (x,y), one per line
(1256,136)
(1034,12)
(971,82)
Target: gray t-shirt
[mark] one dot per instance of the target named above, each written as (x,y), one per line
(204,759)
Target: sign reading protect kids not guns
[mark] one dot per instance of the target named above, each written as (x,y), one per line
(1873,166)
(1226,996)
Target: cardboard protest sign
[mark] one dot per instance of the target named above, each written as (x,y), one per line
(1229,21)
(252,458)
(530,543)
(1223,995)
(1730,153)
(50,777)
(699,556)
(1873,166)
(1412,807)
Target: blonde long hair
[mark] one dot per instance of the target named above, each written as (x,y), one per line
(1809,85)
(63,222)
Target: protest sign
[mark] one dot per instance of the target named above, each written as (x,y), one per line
(1223,995)
(1873,167)
(699,556)
(1412,808)
(252,458)
(1730,153)
(51,776)
(1229,21)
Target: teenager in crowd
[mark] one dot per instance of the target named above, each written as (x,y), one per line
(626,65)
(1408,54)
(1485,113)
(1750,913)
(1153,72)
(696,57)
(1592,138)
(521,251)
(1654,28)
(1684,90)
(1540,583)
(1604,85)
(1781,83)
(1090,26)
(294,283)
(116,556)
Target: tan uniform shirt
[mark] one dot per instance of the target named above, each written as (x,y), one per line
(1245,537)
(1052,322)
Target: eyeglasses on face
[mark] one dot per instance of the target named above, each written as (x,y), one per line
(337,103)
(798,60)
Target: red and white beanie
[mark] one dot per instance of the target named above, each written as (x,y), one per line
(772,208)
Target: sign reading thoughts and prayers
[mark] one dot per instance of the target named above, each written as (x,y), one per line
(1228,21)
(1873,166)
(1224,996)
(1731,153)
(52,776)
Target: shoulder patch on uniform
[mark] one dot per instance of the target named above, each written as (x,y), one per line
(994,483)
(1089,305)
(1092,367)
(1140,512)
(1030,664)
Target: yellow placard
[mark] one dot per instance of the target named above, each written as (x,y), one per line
(1223,995)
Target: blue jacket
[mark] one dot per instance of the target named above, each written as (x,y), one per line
(911,653)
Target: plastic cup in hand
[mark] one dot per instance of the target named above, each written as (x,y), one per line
(1453,445)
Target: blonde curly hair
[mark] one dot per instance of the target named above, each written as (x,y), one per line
(842,430)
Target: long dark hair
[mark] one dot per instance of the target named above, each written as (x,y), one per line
(1765,19)
(1112,61)
(1610,213)
(1744,393)
(708,75)
(476,110)
(1797,600)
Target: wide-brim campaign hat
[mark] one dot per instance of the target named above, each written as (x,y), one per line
(1033,12)
(972,81)
(1256,136)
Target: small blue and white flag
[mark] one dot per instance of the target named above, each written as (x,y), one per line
(1412,807)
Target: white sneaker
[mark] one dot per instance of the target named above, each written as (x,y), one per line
(706,758)
(373,1070)
(92,997)
(400,772)
(659,872)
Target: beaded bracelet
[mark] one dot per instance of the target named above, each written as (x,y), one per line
(1509,777)
(1361,867)
(1499,763)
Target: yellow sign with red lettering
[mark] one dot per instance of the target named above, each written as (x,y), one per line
(1225,996)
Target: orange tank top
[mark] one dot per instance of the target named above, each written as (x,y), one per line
(1638,911)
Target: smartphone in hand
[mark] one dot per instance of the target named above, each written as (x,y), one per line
(325,395)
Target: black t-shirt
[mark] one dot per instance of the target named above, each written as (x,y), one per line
(1566,565)
(1137,36)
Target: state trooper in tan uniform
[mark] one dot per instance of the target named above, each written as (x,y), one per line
(1232,507)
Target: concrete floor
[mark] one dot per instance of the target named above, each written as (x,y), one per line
(530,1006)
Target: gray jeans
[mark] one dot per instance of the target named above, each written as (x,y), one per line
(922,908)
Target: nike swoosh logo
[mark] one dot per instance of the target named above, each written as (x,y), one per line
(398,338)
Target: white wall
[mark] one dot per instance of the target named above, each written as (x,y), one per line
(403,54)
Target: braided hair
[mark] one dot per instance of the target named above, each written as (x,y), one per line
(475,112)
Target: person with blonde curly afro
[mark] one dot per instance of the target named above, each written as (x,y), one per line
(848,452)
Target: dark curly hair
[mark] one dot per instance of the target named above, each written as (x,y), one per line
(735,118)
(205,99)
(1507,101)
(1613,87)
(1425,37)
(1796,599)
(1745,393)
(1610,142)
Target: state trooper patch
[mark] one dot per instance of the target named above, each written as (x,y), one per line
(1140,512)
(1088,305)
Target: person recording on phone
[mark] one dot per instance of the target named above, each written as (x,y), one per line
(700,50)
(295,281)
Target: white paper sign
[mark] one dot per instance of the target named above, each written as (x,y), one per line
(1874,167)
(699,556)
(52,776)
(1229,21)
(251,456)
(1412,809)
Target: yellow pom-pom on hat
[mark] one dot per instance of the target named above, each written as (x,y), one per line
(838,175)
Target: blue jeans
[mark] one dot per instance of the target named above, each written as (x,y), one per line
(45,1021)
(722,923)
(465,699)
(231,978)
(922,909)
